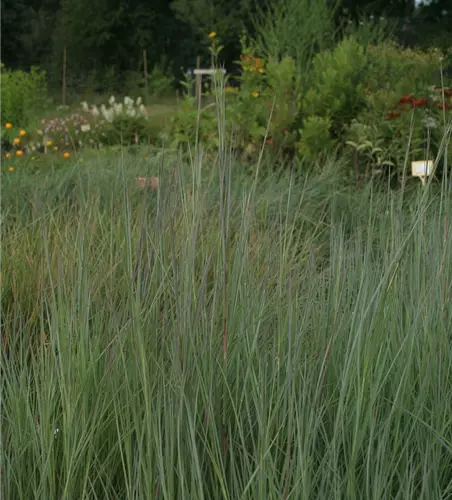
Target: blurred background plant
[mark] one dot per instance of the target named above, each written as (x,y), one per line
(23,94)
(320,71)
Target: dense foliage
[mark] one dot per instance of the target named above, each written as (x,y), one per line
(311,80)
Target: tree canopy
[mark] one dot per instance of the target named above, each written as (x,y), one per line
(107,37)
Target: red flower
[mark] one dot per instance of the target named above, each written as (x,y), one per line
(407,99)
(444,105)
(393,115)
(269,141)
(446,90)
(419,103)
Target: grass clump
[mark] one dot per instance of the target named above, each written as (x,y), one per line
(215,339)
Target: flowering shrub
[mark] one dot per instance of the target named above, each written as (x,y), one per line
(375,99)
(266,89)
(354,95)
(117,123)
(403,112)
(92,126)
(19,149)
(72,131)
(129,108)
(122,122)
(268,97)
(23,95)
(14,141)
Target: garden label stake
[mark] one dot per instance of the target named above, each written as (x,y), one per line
(422,169)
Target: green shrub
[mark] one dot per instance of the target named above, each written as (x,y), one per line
(183,126)
(316,140)
(23,95)
(160,82)
(335,95)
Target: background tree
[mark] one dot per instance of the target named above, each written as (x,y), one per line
(14,25)
(433,24)
(225,17)
(105,38)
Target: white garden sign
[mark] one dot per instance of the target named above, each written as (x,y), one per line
(422,169)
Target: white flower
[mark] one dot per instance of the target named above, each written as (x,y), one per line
(131,112)
(430,122)
(39,132)
(142,109)
(139,101)
(95,111)
(85,106)
(128,102)
(118,108)
(111,101)
(85,128)
(106,113)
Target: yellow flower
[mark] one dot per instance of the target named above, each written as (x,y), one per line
(261,70)
(255,94)
(23,133)
(11,169)
(16,141)
(8,156)
(230,88)
(66,155)
(49,143)
(8,125)
(19,152)
(212,34)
